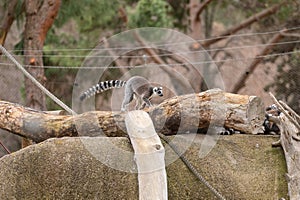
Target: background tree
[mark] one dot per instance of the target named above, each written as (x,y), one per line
(94,19)
(39,19)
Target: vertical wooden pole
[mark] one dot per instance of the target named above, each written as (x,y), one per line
(149,156)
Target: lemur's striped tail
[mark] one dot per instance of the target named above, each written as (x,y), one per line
(102,86)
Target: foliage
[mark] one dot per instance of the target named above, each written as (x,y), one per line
(89,14)
(150,13)
(91,17)
(179,14)
(75,32)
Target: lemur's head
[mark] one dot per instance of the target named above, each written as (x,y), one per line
(158,91)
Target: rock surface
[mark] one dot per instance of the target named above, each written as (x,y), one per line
(239,167)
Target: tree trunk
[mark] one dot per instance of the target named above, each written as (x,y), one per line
(196,8)
(39,18)
(181,114)
(195,20)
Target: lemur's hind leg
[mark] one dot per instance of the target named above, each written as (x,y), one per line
(138,102)
(145,102)
(126,101)
(143,106)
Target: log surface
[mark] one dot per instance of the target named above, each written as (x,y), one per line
(288,123)
(291,148)
(180,114)
(149,156)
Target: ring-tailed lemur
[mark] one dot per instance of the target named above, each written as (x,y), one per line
(271,127)
(136,86)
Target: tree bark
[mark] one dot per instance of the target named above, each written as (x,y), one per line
(291,149)
(180,114)
(195,21)
(288,122)
(8,19)
(39,18)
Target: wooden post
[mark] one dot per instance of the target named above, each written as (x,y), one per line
(149,156)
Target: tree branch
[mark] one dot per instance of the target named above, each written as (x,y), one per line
(246,23)
(118,60)
(158,60)
(290,34)
(201,8)
(48,14)
(249,70)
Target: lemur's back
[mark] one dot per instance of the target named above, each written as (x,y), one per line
(137,85)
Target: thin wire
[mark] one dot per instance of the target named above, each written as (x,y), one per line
(158,65)
(165,54)
(5,148)
(168,44)
(28,75)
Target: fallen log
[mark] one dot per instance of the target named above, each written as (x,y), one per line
(180,114)
(291,148)
(288,122)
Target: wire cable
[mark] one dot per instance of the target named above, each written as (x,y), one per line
(160,65)
(170,44)
(163,54)
(5,148)
(38,84)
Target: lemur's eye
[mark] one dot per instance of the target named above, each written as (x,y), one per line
(155,89)
(160,92)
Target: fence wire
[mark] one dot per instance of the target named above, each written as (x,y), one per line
(278,72)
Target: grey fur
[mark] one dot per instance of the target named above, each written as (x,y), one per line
(136,86)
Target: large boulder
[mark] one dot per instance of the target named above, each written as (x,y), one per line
(239,167)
